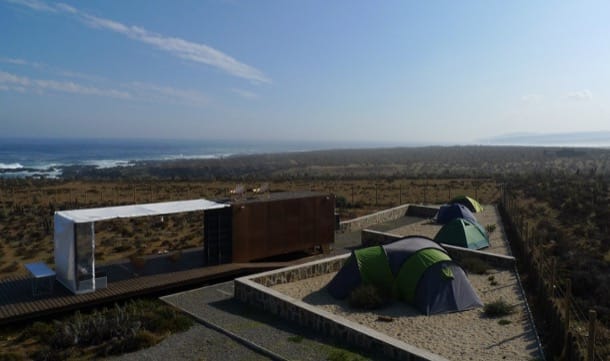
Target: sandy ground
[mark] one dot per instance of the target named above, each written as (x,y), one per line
(467,335)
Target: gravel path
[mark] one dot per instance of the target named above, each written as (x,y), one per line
(198,343)
(215,305)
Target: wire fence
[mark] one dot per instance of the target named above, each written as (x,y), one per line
(572,333)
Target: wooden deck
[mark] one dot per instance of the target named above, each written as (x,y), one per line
(158,275)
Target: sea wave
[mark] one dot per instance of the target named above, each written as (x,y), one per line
(10,166)
(109,163)
(49,174)
(197,156)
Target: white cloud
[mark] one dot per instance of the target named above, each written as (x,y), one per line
(16,61)
(245,93)
(153,92)
(181,48)
(34,5)
(134,90)
(580,95)
(184,49)
(18,83)
(11,79)
(66,8)
(65,73)
(70,87)
(531,98)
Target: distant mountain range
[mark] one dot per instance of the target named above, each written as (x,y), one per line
(575,139)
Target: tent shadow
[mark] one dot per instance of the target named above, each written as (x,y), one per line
(249,320)
(392,309)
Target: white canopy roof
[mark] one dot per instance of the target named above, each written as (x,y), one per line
(138,210)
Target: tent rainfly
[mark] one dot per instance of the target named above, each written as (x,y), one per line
(463,233)
(470,203)
(414,269)
(75,236)
(449,212)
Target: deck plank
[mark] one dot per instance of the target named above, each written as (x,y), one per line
(17,302)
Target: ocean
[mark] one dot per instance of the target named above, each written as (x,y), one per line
(20,158)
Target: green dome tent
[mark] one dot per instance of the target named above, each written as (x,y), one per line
(471,203)
(415,269)
(463,233)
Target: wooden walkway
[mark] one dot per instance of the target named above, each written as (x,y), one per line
(124,281)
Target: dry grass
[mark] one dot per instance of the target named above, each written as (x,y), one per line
(27,206)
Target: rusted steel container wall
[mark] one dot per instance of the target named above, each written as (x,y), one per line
(270,227)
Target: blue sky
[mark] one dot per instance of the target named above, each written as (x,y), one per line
(407,72)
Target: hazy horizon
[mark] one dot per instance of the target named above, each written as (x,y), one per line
(575,139)
(395,72)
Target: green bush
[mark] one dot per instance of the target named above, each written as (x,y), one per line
(342,355)
(368,297)
(295,338)
(122,328)
(490,228)
(341,202)
(39,330)
(498,308)
(142,339)
(11,356)
(47,353)
(160,318)
(504,322)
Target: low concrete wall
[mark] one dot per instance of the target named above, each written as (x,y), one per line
(369,237)
(387,215)
(254,290)
(373,238)
(421,211)
(374,218)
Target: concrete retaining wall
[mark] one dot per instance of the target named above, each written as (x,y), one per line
(421,211)
(254,290)
(458,254)
(387,215)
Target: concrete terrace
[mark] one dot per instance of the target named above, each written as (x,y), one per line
(396,222)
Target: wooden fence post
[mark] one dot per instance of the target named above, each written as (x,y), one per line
(400,194)
(553,275)
(376,199)
(566,304)
(425,189)
(591,339)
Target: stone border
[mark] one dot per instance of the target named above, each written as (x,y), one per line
(373,238)
(254,290)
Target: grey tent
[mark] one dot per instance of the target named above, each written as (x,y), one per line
(449,212)
(416,269)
